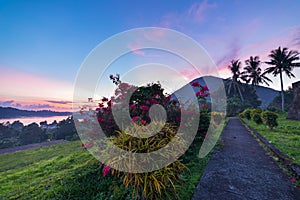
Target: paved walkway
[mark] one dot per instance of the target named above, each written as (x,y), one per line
(31,146)
(241,169)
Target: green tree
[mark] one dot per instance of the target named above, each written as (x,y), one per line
(282,61)
(235,84)
(253,73)
(31,134)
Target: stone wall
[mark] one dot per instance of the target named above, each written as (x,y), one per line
(294,112)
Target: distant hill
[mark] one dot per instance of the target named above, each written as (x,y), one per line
(8,112)
(265,94)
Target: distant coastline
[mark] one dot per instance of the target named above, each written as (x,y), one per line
(9,112)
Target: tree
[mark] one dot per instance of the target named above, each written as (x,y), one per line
(253,73)
(282,61)
(234,67)
(31,134)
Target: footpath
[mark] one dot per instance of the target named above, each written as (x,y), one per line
(242,169)
(31,146)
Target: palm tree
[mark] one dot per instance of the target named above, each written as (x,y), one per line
(253,73)
(282,60)
(234,67)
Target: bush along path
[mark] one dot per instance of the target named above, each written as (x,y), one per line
(241,169)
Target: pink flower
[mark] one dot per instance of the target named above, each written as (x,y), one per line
(105,170)
(204,88)
(89,144)
(293,180)
(145,108)
(153,101)
(198,94)
(196,84)
(143,122)
(134,119)
(132,105)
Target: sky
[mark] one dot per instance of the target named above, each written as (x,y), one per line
(44,43)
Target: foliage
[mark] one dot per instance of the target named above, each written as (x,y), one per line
(160,183)
(253,73)
(234,103)
(247,114)
(270,119)
(257,118)
(282,61)
(17,134)
(275,105)
(234,84)
(234,106)
(255,111)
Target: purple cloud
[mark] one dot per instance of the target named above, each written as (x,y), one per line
(59,102)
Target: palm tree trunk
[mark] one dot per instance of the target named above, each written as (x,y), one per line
(242,98)
(282,92)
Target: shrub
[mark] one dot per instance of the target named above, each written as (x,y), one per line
(255,111)
(217,118)
(159,184)
(241,115)
(270,119)
(247,114)
(257,118)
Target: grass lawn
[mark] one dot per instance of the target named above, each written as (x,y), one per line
(65,171)
(286,136)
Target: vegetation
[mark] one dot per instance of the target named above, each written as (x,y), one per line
(252,72)
(234,85)
(286,136)
(270,119)
(275,105)
(17,134)
(282,61)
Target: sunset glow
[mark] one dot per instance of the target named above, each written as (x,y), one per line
(41,52)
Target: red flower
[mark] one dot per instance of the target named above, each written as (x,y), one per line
(293,180)
(105,170)
(132,105)
(196,84)
(143,121)
(204,88)
(88,145)
(135,118)
(145,108)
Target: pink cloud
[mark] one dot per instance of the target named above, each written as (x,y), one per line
(33,104)
(197,10)
(194,14)
(27,91)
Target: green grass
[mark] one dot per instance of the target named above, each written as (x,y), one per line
(62,171)
(286,136)
(66,171)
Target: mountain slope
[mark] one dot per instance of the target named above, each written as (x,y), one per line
(8,112)
(265,94)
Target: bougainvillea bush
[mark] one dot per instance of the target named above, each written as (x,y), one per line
(138,100)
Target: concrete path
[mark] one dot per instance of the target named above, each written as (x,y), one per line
(241,169)
(31,146)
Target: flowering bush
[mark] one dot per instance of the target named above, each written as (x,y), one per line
(138,100)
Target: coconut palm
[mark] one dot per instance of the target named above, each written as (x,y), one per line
(282,61)
(253,73)
(234,67)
